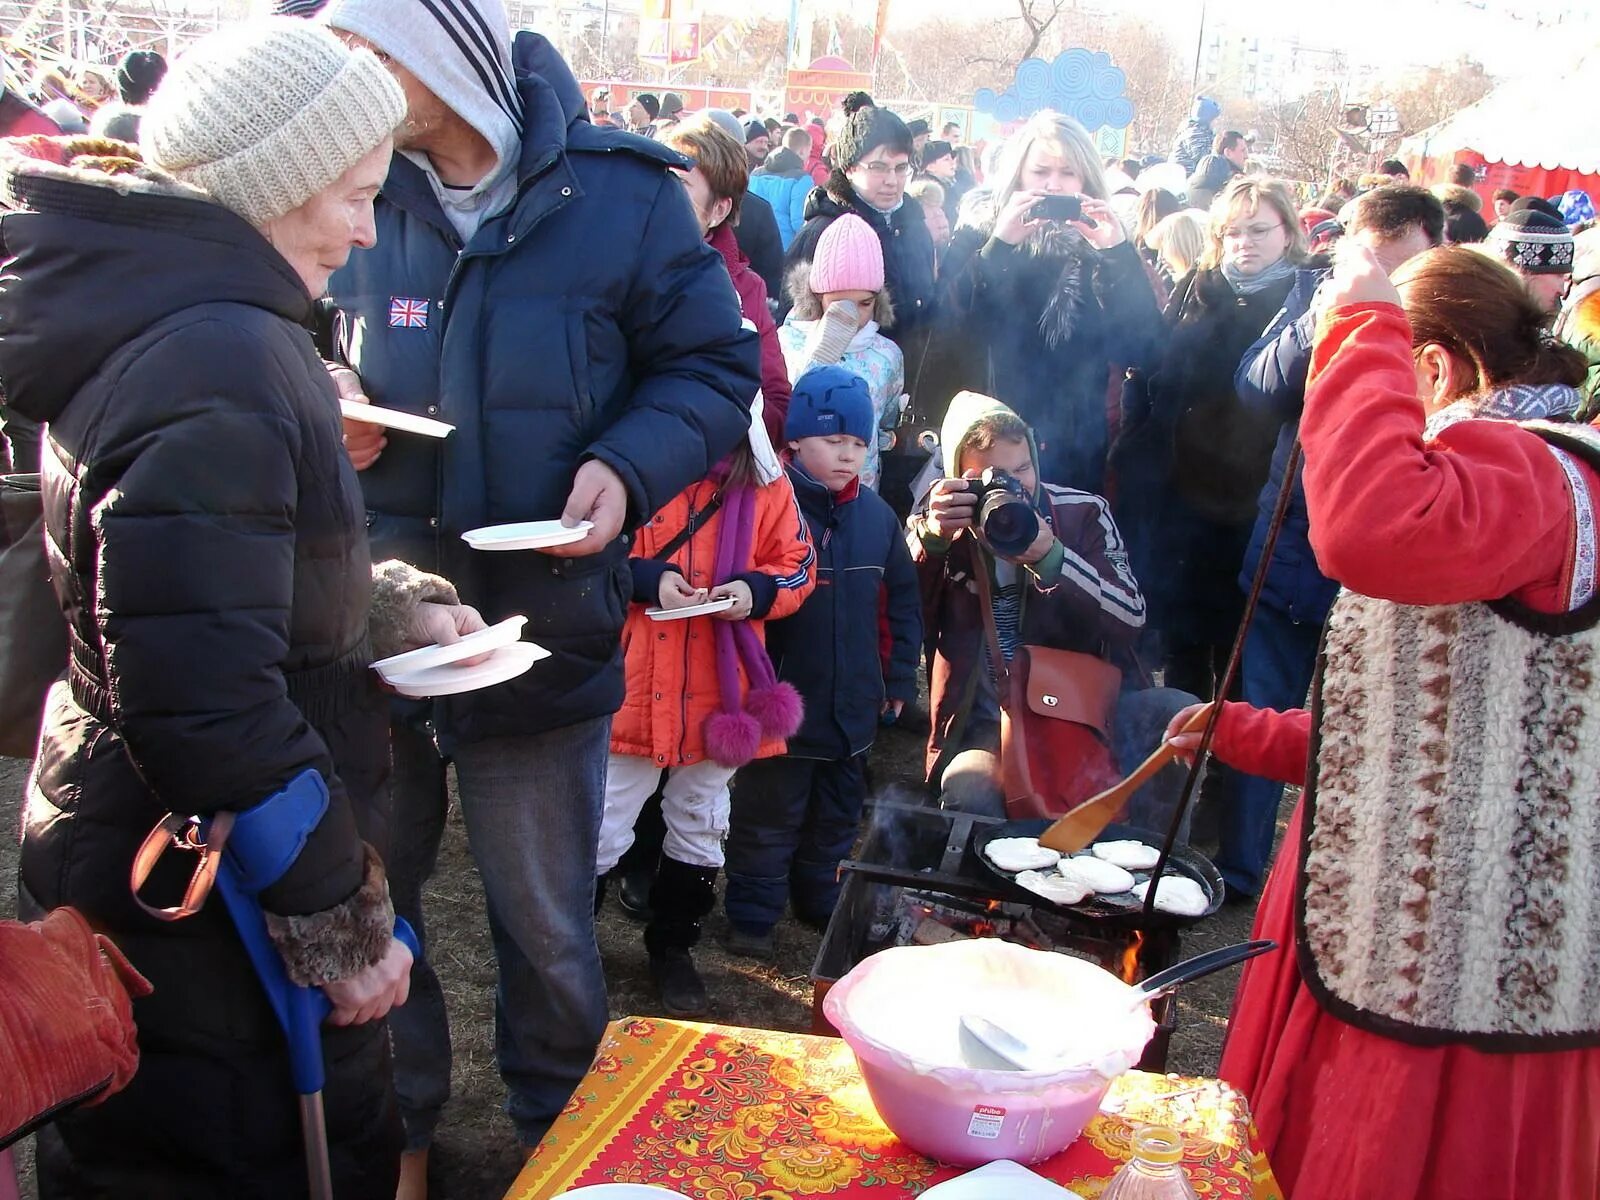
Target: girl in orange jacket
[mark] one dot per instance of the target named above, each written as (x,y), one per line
(702,698)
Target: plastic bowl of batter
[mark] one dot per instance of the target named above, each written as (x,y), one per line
(900,1012)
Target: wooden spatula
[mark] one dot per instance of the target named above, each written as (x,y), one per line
(1079,826)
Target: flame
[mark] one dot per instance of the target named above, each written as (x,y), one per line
(993,904)
(1128,971)
(983,929)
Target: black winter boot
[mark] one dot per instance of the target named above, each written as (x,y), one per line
(637,870)
(682,895)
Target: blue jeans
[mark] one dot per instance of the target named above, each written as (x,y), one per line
(532,807)
(1280,656)
(793,821)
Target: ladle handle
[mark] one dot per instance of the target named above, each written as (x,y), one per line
(1202,965)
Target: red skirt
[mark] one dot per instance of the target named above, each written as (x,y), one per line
(1345,1114)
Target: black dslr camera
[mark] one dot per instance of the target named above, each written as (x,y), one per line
(1005,516)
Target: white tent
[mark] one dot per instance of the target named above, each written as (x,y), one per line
(1535,120)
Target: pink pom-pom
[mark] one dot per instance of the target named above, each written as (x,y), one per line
(732,738)
(777,709)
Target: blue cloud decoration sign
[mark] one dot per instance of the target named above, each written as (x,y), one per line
(1084,84)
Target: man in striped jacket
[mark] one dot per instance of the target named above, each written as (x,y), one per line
(1071,588)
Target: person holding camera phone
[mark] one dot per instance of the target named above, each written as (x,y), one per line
(1050,299)
(1057,576)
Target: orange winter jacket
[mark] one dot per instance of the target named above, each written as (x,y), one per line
(671,665)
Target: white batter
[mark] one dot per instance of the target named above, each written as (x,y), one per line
(912,1000)
(1130,855)
(1020,854)
(1105,878)
(1178,895)
(1055,887)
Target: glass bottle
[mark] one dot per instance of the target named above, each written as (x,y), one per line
(1156,1170)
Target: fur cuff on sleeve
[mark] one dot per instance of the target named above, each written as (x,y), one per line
(338,942)
(397,589)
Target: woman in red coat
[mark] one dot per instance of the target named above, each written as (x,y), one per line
(1431,1029)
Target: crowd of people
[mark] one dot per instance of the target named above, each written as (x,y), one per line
(886,405)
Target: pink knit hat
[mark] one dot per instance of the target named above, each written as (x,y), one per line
(849,258)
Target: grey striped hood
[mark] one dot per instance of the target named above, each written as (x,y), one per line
(460,50)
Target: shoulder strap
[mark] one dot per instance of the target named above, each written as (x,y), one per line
(694,524)
(997,660)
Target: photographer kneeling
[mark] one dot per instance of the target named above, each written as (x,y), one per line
(1054,572)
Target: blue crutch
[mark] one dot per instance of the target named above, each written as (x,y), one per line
(262,843)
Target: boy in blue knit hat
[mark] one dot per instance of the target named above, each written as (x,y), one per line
(795,817)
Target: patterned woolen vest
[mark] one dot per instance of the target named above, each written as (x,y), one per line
(1450,886)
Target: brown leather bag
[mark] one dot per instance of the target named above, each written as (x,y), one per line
(1055,720)
(66,1019)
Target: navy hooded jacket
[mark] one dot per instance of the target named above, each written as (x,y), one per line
(1271,380)
(589,319)
(829,649)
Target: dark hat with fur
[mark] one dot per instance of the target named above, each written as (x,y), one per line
(864,132)
(650,103)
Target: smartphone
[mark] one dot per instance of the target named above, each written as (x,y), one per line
(1059,208)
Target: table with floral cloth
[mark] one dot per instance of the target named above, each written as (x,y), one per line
(720,1113)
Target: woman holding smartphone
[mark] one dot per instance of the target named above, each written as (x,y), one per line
(1050,296)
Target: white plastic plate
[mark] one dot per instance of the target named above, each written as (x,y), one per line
(526,535)
(505,663)
(393,418)
(997,1179)
(427,657)
(722,604)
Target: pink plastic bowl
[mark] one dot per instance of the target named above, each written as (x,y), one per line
(961,1115)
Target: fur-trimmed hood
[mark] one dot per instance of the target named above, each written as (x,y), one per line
(102,246)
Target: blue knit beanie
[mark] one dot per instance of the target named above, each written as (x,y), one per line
(828,401)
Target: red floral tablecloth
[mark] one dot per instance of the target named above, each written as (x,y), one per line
(720,1113)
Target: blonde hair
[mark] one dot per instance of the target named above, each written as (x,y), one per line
(1180,239)
(1245,195)
(1055,133)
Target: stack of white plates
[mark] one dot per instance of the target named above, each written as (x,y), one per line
(439,670)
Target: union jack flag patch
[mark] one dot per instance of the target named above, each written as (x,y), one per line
(405,313)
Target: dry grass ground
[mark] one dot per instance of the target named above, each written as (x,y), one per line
(475,1159)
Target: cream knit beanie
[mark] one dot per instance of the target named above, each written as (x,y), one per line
(264,115)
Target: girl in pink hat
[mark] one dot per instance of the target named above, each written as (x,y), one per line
(840,309)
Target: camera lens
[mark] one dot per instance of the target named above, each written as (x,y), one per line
(1008,522)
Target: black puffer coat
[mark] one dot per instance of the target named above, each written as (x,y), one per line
(1191,458)
(206,542)
(1048,335)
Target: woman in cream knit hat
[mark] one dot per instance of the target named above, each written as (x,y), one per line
(208,548)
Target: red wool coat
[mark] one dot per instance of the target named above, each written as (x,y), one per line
(775,387)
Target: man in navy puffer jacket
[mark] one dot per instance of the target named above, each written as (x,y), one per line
(1280,649)
(541,284)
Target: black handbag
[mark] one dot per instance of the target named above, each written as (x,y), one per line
(33,633)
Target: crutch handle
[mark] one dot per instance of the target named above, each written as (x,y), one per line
(300,1010)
